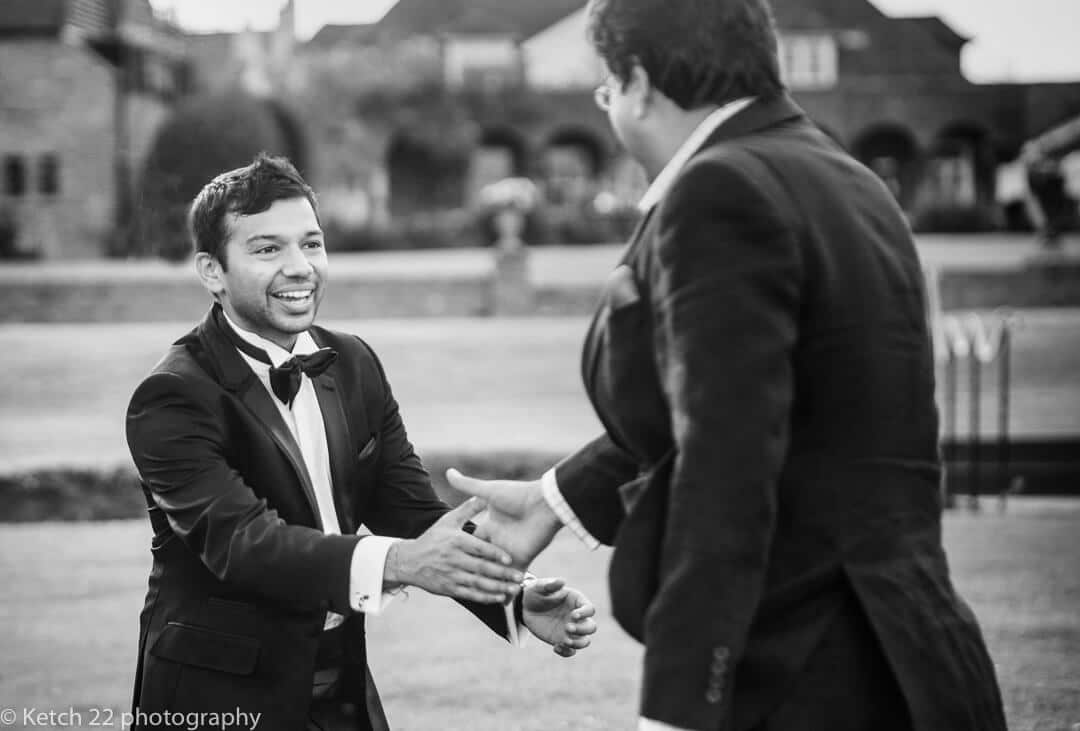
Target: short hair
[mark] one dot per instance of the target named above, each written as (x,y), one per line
(243,191)
(696,52)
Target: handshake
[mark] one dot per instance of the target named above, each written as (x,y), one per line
(513,524)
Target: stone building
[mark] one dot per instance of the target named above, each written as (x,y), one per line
(407,118)
(83,86)
(441,96)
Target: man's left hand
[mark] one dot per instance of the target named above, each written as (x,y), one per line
(558,615)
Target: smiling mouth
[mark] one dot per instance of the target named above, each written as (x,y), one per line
(298,296)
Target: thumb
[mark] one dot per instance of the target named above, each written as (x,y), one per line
(470,485)
(465,512)
(548,587)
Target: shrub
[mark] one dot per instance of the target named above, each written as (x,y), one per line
(204,137)
(110,494)
(948,218)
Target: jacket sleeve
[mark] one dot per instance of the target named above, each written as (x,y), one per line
(176,439)
(589,481)
(725,288)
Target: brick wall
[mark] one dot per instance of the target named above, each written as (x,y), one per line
(58,99)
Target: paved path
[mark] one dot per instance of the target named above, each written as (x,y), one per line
(550,265)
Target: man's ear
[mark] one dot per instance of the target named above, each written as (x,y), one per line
(641,89)
(210,272)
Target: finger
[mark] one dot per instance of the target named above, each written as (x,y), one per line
(465,512)
(468,593)
(577,643)
(583,612)
(564,651)
(489,552)
(548,587)
(485,489)
(581,629)
(473,575)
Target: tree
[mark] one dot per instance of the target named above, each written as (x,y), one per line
(204,137)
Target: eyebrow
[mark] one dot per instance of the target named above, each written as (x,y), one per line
(280,239)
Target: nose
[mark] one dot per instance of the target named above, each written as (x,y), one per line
(296,263)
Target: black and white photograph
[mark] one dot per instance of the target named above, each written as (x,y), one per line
(539,365)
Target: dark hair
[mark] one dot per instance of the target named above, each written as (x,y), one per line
(243,191)
(696,52)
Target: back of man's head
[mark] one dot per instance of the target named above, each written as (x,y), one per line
(243,191)
(696,52)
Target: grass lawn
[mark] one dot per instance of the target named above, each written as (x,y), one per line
(72,593)
(463,384)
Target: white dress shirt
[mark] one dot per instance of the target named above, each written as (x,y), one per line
(655,193)
(305,422)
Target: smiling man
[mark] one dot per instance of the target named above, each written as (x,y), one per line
(264,445)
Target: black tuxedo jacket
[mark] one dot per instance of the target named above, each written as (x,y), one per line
(762,366)
(242,573)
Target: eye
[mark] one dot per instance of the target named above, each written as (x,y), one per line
(268,249)
(313,244)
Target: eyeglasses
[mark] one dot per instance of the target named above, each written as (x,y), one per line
(603,94)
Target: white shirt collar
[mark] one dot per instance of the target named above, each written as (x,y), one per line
(304,345)
(663,182)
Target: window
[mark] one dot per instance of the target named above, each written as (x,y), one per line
(49,174)
(14,176)
(808,62)
(482,63)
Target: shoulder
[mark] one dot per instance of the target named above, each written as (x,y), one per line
(178,375)
(729,178)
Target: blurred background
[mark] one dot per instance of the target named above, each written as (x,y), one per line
(474,201)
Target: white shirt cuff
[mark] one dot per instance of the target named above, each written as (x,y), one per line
(518,633)
(366,575)
(550,488)
(647,724)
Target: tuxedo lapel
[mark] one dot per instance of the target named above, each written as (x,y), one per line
(590,353)
(236,376)
(337,444)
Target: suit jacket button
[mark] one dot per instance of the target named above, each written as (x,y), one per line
(721,654)
(714,696)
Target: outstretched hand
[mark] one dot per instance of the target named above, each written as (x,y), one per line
(448,561)
(558,615)
(518,518)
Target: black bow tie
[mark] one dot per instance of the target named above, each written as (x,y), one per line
(285,379)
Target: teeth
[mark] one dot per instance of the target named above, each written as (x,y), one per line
(294,295)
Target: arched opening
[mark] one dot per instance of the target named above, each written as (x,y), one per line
(500,153)
(892,152)
(571,164)
(961,166)
(423,176)
(293,135)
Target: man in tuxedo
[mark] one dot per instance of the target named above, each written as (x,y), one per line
(761,363)
(264,443)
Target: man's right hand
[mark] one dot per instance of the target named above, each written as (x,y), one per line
(518,519)
(448,561)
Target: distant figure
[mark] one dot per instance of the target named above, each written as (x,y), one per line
(1052,209)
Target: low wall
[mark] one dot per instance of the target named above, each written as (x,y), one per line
(1037,283)
(457,284)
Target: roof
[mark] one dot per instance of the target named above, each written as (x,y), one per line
(49,17)
(332,35)
(939,29)
(525,18)
(32,17)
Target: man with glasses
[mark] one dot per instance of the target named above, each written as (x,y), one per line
(769,469)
